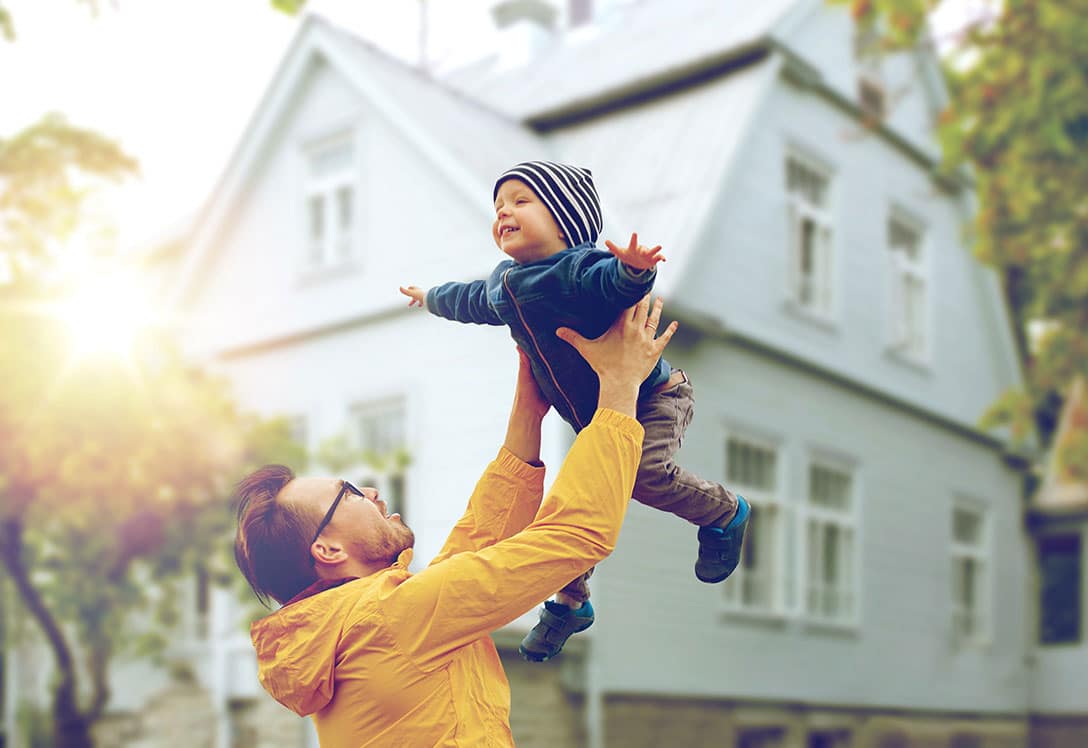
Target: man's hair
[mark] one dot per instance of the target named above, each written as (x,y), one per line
(271,546)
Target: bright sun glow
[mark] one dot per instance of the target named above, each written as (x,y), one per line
(106,315)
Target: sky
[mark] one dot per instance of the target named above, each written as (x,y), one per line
(176,81)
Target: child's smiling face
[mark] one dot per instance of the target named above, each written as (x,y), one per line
(524,228)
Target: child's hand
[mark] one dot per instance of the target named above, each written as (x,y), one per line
(635,255)
(415,294)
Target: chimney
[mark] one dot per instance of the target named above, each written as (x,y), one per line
(525,27)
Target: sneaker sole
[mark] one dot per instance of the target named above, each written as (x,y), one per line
(543,657)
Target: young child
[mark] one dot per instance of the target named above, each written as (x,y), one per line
(547,219)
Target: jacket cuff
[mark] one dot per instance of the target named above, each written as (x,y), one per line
(509,463)
(621,421)
(636,275)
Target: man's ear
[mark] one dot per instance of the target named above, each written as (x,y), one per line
(328,552)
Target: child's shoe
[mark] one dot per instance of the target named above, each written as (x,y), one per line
(719,548)
(557,623)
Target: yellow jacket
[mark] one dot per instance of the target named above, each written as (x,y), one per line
(396,659)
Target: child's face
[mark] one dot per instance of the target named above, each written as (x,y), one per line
(524,228)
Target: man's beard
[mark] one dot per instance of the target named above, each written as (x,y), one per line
(398,538)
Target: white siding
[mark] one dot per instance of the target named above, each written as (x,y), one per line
(660,630)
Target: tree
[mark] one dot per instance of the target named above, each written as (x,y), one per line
(115,472)
(1018,122)
(115,479)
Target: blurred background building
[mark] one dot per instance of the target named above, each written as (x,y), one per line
(900,586)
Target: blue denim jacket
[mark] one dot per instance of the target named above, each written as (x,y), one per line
(583,288)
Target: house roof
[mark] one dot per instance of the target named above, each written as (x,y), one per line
(473,128)
(652,41)
(1063,489)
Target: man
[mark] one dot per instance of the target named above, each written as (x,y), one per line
(382,657)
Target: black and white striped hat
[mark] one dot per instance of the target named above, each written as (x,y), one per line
(568,192)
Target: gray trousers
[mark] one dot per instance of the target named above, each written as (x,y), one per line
(660,482)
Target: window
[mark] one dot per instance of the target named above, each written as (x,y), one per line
(867,55)
(330,203)
(380,435)
(751,469)
(761,737)
(831,584)
(1060,584)
(829,739)
(970,574)
(810,236)
(908,289)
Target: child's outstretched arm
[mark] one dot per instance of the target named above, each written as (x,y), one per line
(461,302)
(623,278)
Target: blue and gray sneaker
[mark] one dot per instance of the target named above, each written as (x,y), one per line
(557,623)
(719,548)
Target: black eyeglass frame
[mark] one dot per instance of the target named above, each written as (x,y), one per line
(346,487)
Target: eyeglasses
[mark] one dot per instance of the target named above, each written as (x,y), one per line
(345,488)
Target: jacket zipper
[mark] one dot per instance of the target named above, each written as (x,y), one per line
(539,352)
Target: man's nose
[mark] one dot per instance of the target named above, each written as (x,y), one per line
(370,493)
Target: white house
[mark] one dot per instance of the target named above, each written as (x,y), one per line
(842,341)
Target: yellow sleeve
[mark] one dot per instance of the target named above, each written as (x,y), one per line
(468,595)
(505,500)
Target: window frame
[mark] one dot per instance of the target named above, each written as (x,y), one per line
(383,477)
(824,292)
(338,248)
(847,521)
(982,552)
(764,503)
(900,269)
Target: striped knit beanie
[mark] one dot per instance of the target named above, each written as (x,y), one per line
(567,191)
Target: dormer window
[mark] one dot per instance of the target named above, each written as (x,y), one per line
(868,57)
(330,203)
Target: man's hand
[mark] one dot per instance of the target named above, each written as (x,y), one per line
(625,354)
(636,255)
(416,295)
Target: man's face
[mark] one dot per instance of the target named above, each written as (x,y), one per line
(524,228)
(360,525)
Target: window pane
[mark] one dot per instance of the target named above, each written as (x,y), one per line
(903,238)
(1059,589)
(344,205)
(967,527)
(331,159)
(806,183)
(316,210)
(750,465)
(829,487)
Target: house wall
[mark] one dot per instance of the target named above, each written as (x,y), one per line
(412,227)
(743,278)
(823,34)
(660,630)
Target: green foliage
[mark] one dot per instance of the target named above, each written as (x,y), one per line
(291,7)
(1018,118)
(48,170)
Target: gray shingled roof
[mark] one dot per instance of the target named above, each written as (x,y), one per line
(649,40)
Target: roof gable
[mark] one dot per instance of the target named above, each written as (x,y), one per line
(472,146)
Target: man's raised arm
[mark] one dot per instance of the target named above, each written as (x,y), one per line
(469,595)
(508,494)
